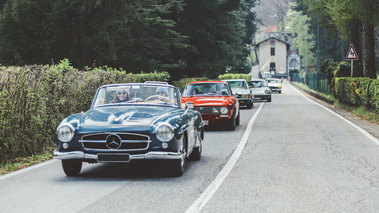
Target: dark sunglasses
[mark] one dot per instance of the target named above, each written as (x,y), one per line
(123,93)
(158,93)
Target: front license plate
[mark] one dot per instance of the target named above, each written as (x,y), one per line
(113,157)
(206,122)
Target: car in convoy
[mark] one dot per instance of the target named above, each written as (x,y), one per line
(266,75)
(275,84)
(242,91)
(215,101)
(132,122)
(260,89)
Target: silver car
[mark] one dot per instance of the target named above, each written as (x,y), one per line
(260,89)
(242,91)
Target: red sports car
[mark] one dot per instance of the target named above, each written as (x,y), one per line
(215,101)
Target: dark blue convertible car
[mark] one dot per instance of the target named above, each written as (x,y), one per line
(132,122)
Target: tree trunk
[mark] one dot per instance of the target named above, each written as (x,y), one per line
(368,44)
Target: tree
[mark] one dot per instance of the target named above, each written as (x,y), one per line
(216,30)
(354,20)
(133,35)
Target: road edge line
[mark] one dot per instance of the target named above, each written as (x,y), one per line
(216,183)
(366,133)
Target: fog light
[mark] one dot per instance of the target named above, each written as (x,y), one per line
(65,145)
(164,145)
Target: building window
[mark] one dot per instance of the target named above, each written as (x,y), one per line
(272,50)
(272,43)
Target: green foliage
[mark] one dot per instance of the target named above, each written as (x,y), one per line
(35,99)
(183,37)
(358,92)
(183,82)
(328,67)
(247,77)
(343,70)
(374,93)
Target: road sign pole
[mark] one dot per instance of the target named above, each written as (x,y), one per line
(352,67)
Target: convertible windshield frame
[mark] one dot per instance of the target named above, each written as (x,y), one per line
(138,94)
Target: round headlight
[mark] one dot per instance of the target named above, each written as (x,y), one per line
(65,132)
(224,110)
(165,132)
(267,91)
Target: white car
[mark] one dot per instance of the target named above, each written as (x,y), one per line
(266,75)
(260,89)
(275,84)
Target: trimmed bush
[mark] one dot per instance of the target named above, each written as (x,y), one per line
(235,76)
(183,82)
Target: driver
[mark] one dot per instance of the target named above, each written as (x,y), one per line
(163,94)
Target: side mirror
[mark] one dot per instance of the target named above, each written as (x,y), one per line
(190,105)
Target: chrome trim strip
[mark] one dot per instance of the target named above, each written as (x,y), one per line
(79,155)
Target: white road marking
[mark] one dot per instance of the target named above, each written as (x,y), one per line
(367,134)
(212,188)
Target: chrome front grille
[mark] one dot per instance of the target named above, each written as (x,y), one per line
(129,142)
(208,110)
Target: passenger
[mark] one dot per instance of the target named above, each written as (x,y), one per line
(121,96)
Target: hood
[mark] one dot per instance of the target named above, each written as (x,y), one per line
(238,90)
(208,100)
(124,116)
(259,90)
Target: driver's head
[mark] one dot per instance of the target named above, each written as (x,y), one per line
(162,91)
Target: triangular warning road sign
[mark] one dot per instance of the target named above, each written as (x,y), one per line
(351,54)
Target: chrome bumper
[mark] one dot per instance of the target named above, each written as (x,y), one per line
(79,155)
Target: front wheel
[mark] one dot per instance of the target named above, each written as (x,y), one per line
(231,124)
(71,167)
(238,118)
(197,151)
(249,105)
(176,167)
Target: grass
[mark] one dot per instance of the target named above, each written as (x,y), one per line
(20,163)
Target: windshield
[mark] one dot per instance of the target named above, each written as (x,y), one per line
(237,84)
(206,89)
(258,84)
(140,94)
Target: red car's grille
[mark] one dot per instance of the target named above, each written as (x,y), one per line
(115,141)
(208,110)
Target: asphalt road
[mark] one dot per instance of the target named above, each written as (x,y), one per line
(290,155)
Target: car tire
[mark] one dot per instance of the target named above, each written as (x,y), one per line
(231,124)
(238,118)
(250,105)
(196,152)
(71,167)
(269,99)
(176,167)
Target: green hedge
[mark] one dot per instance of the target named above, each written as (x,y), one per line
(358,91)
(235,76)
(34,100)
(183,82)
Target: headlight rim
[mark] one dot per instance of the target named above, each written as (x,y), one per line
(222,110)
(71,127)
(161,125)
